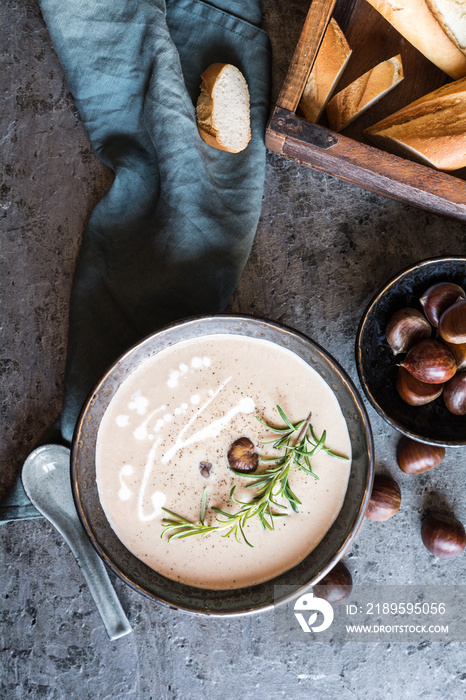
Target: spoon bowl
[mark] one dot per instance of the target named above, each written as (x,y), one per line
(46,480)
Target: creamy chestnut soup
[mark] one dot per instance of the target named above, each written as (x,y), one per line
(182,409)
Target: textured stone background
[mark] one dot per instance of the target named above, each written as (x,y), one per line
(322,249)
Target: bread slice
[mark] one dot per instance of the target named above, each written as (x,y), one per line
(416,20)
(334,54)
(451,15)
(432,129)
(223,108)
(364,92)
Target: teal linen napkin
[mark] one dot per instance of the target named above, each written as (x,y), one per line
(172,235)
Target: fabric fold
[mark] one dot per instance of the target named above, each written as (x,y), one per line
(172,235)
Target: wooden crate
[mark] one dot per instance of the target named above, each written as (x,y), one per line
(349,156)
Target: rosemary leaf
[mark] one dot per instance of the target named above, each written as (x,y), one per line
(273,429)
(285,419)
(268,485)
(203,506)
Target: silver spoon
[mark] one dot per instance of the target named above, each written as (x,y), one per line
(46,480)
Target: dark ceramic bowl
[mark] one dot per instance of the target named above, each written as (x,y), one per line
(377,366)
(244,600)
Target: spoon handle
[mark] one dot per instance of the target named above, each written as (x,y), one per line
(113,616)
(46,480)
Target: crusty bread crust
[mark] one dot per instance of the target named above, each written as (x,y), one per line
(205,108)
(362,93)
(451,15)
(431,130)
(212,140)
(205,103)
(333,55)
(414,20)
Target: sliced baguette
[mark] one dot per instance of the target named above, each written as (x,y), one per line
(223,108)
(414,19)
(364,92)
(451,15)
(334,54)
(432,129)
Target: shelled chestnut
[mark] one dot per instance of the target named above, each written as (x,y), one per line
(459,353)
(430,361)
(432,366)
(413,391)
(242,456)
(385,499)
(336,586)
(443,536)
(438,298)
(455,394)
(405,328)
(416,457)
(452,324)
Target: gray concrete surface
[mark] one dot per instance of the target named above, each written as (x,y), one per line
(322,249)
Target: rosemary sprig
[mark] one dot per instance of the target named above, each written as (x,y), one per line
(271,484)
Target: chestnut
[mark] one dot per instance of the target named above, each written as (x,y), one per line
(430,361)
(459,353)
(336,586)
(443,536)
(414,392)
(438,298)
(455,394)
(205,469)
(385,499)
(405,328)
(242,457)
(416,457)
(452,324)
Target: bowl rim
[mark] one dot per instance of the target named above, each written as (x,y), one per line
(338,554)
(359,355)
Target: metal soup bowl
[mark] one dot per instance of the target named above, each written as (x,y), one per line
(239,601)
